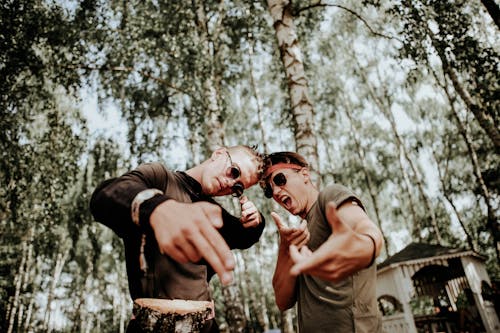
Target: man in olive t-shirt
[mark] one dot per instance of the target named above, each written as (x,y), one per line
(325,265)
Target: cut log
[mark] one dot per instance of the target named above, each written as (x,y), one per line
(171,316)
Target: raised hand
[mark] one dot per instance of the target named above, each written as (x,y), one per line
(297,236)
(188,232)
(344,253)
(250,216)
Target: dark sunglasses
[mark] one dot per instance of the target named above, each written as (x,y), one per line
(237,190)
(279,180)
(233,171)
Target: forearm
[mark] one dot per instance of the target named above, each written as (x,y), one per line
(110,205)
(236,235)
(284,284)
(111,201)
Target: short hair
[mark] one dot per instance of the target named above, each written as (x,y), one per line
(287,157)
(257,157)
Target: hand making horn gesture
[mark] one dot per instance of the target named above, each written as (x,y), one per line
(342,254)
(296,236)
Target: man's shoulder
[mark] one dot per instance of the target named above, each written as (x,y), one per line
(335,188)
(153,167)
(337,193)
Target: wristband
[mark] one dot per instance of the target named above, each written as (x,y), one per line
(138,200)
(374,250)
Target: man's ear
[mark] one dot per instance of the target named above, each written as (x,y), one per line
(305,173)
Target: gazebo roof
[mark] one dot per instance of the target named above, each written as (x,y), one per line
(423,252)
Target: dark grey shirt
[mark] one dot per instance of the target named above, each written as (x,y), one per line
(165,278)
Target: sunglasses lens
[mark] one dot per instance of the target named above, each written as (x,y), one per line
(268,191)
(235,173)
(279,179)
(237,189)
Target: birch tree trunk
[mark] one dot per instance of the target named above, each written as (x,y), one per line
(262,311)
(235,315)
(59,265)
(412,201)
(476,169)
(475,106)
(399,141)
(369,182)
(15,302)
(27,320)
(256,94)
(484,120)
(213,121)
(123,308)
(300,102)
(256,287)
(287,321)
(30,274)
(234,312)
(445,191)
(492,222)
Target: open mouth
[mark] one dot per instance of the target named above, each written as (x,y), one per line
(286,201)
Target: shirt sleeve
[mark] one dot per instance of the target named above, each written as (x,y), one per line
(112,199)
(237,236)
(339,194)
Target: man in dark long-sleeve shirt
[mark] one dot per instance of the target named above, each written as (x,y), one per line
(175,235)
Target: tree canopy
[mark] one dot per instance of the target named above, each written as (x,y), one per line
(398,100)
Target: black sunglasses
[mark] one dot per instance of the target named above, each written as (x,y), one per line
(237,190)
(234,172)
(279,180)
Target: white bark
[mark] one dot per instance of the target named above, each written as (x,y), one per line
(301,104)
(18,282)
(60,261)
(214,126)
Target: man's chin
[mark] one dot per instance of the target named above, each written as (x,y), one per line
(290,209)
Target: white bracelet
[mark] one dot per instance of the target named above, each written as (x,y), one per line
(139,199)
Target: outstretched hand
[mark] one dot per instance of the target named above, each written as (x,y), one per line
(344,252)
(188,232)
(250,216)
(297,236)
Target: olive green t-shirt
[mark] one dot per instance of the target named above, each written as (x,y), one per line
(347,306)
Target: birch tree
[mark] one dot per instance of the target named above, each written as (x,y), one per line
(301,106)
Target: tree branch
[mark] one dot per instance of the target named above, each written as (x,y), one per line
(320,4)
(142,72)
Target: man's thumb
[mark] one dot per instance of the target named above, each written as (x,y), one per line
(333,218)
(277,220)
(243,199)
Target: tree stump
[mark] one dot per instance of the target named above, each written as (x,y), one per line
(171,316)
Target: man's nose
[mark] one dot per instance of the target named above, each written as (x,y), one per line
(276,189)
(230,181)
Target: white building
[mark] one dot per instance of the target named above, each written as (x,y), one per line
(431,288)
